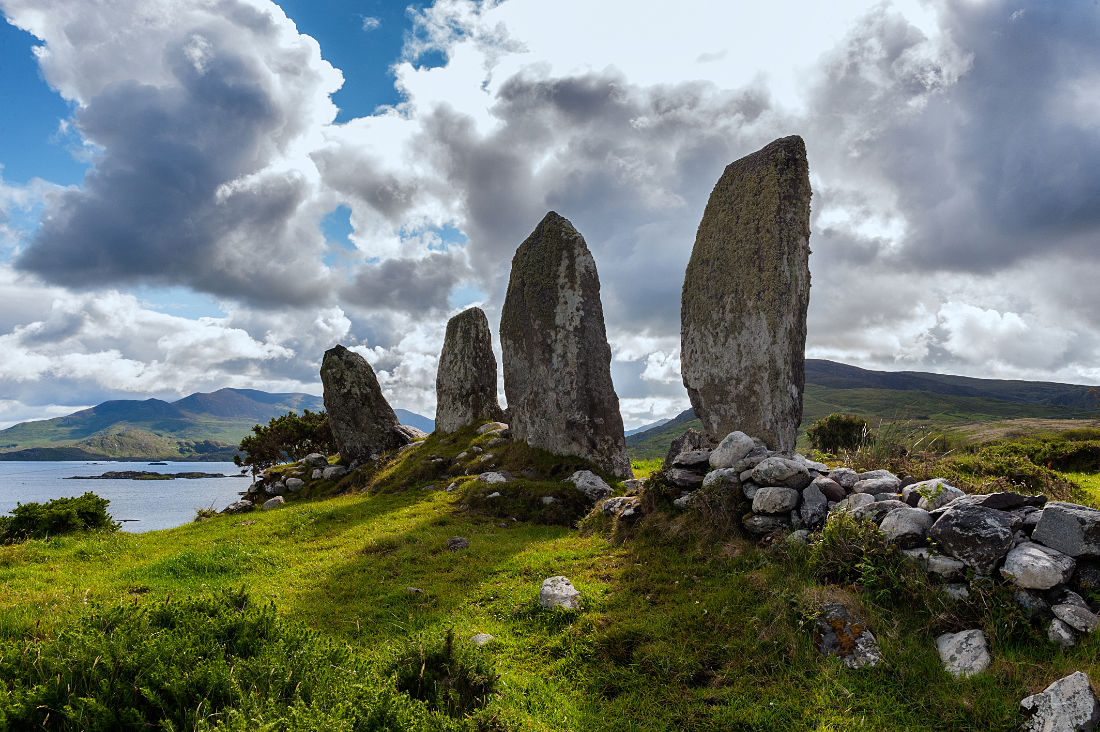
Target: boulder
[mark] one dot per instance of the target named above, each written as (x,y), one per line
(481,639)
(830,488)
(315,460)
(746,290)
(725,478)
(846,478)
(613,506)
(963,654)
(591,485)
(906,527)
(681,478)
(935,493)
(559,592)
(491,427)
(557,363)
(1069,528)
(733,448)
(1005,501)
(692,439)
(698,460)
(293,485)
(781,472)
(241,506)
(334,472)
(1060,634)
(1066,705)
(760,524)
(977,536)
(945,568)
(466,381)
(317,474)
(749,489)
(838,633)
(273,503)
(1036,567)
(876,511)
(494,477)
(1077,617)
(815,506)
(362,422)
(775,500)
(883,484)
(458,543)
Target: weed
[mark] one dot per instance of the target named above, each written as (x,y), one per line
(449,679)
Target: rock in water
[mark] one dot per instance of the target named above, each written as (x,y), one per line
(363,424)
(746,290)
(466,383)
(557,364)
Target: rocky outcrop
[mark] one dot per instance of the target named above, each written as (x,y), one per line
(362,422)
(466,382)
(557,363)
(746,290)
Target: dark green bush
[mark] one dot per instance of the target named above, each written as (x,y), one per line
(837,432)
(449,679)
(195,664)
(56,517)
(286,439)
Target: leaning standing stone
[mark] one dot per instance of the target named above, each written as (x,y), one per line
(362,422)
(466,382)
(746,290)
(557,364)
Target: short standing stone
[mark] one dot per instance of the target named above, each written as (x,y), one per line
(733,447)
(775,499)
(559,592)
(466,381)
(975,535)
(963,654)
(363,424)
(907,527)
(1066,705)
(1069,528)
(839,634)
(1036,567)
(746,290)
(557,363)
(591,485)
(273,503)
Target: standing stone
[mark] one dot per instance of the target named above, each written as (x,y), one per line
(557,364)
(746,290)
(363,424)
(466,382)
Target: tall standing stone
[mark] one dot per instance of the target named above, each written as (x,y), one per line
(557,364)
(746,290)
(362,421)
(466,382)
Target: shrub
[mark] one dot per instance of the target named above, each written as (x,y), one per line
(285,439)
(837,432)
(56,517)
(452,680)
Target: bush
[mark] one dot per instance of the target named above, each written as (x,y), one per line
(452,680)
(837,432)
(57,517)
(212,661)
(285,439)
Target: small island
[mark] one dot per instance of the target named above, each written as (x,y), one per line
(144,475)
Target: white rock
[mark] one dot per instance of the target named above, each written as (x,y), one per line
(490,427)
(612,506)
(956,590)
(935,493)
(559,592)
(1067,705)
(773,499)
(481,639)
(963,654)
(906,527)
(683,501)
(548,500)
(945,567)
(881,484)
(495,494)
(493,477)
(1076,617)
(1060,633)
(1036,567)
(591,485)
(732,448)
(273,503)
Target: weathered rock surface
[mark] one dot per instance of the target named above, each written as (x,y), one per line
(746,290)
(781,471)
(333,472)
(1067,705)
(733,447)
(775,500)
(363,424)
(273,503)
(591,485)
(559,592)
(830,488)
(481,639)
(1069,528)
(815,506)
(1076,617)
(975,535)
(935,493)
(1036,567)
(241,506)
(906,527)
(963,654)
(1060,634)
(760,524)
(881,484)
(691,440)
(846,478)
(837,633)
(294,485)
(466,382)
(946,568)
(557,363)
(683,478)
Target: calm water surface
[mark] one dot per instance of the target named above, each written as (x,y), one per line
(149,504)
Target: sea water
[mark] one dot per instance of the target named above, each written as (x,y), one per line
(141,505)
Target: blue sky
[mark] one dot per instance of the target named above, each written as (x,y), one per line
(206,194)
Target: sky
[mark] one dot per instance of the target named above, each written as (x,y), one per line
(209,193)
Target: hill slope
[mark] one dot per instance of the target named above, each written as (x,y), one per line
(202,426)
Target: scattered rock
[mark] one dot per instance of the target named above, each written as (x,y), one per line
(481,639)
(963,654)
(293,485)
(273,503)
(746,290)
(977,536)
(1066,705)
(906,527)
(591,485)
(557,363)
(732,449)
(362,422)
(1060,634)
(1036,567)
(1069,528)
(778,471)
(466,381)
(838,634)
(1077,617)
(458,543)
(241,506)
(775,500)
(559,592)
(494,477)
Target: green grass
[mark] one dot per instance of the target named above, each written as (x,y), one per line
(675,633)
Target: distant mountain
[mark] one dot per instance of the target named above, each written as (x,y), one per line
(203,426)
(645,427)
(907,395)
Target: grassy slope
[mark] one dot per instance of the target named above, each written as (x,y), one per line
(674,635)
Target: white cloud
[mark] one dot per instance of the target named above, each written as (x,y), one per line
(371,23)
